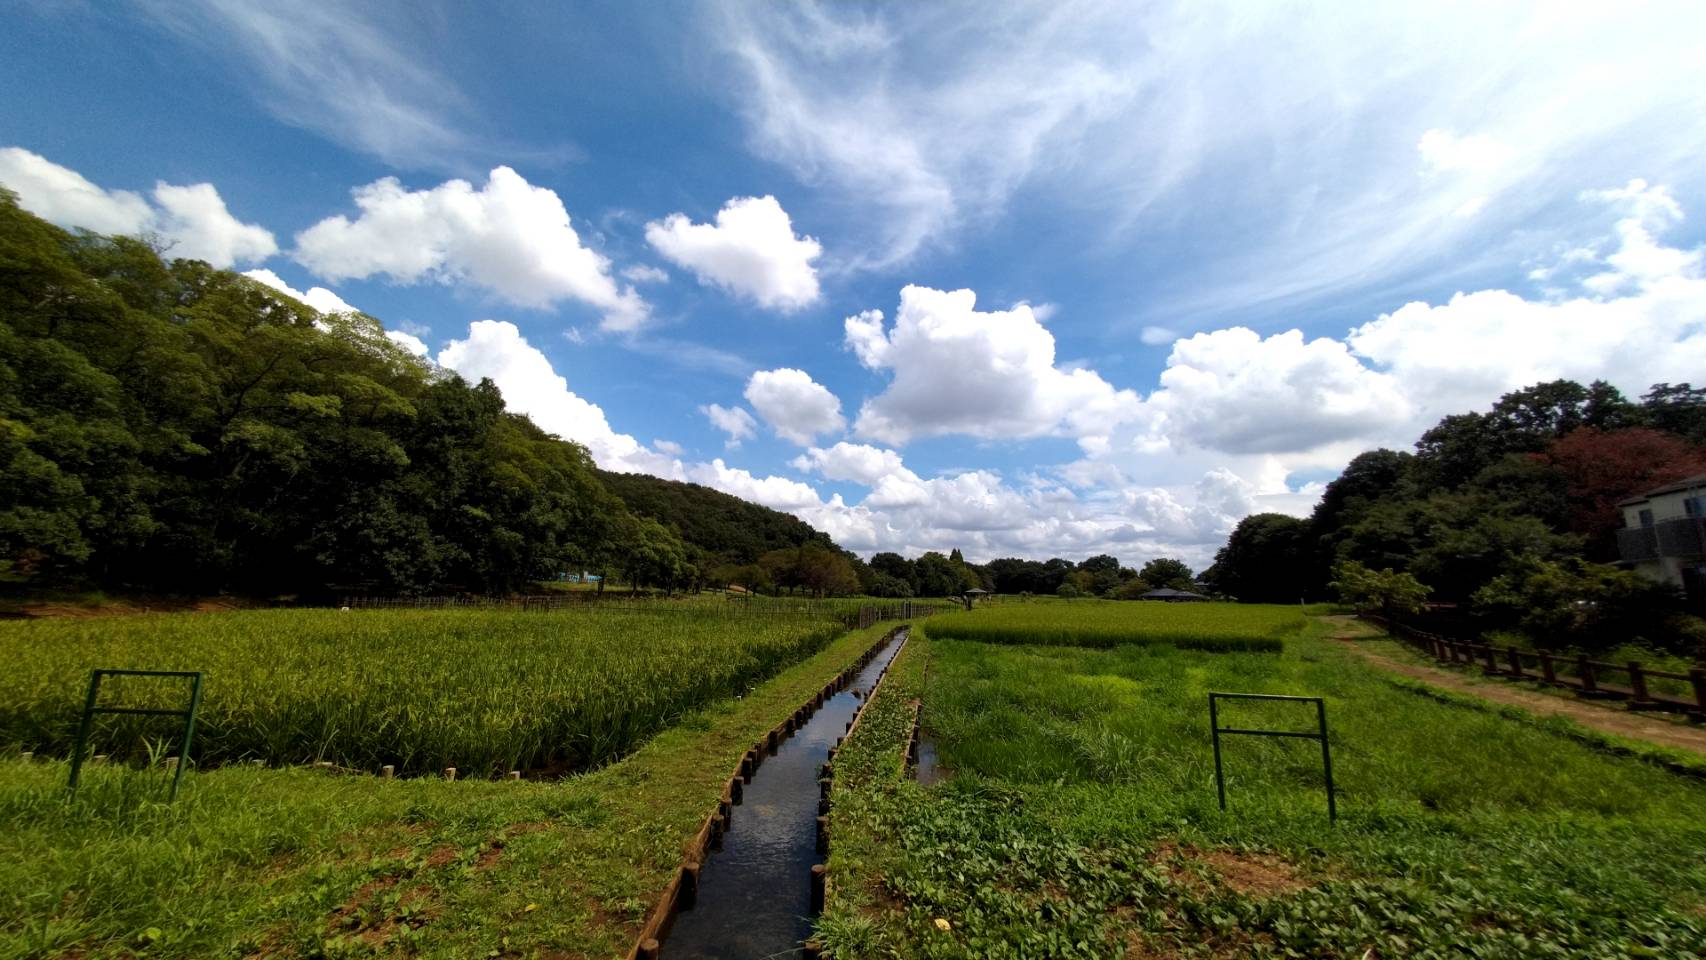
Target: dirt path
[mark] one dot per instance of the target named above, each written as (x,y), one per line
(1612,720)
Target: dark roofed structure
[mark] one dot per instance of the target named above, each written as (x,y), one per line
(1173,596)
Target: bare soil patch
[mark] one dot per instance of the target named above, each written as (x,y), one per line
(1253,875)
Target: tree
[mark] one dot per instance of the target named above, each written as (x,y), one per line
(1572,603)
(939,576)
(898,567)
(1265,559)
(1103,574)
(1677,408)
(1395,595)
(1600,468)
(1166,572)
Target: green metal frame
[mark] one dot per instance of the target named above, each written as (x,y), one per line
(1321,735)
(91,707)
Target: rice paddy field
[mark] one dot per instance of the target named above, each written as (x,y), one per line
(1079,817)
(292,861)
(1109,623)
(483,690)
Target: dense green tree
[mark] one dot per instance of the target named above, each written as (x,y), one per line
(1393,595)
(1571,603)
(1265,560)
(1166,572)
(1676,408)
(172,426)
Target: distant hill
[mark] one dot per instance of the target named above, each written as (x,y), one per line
(725,526)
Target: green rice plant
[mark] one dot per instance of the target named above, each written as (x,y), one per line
(1224,627)
(1081,819)
(482,690)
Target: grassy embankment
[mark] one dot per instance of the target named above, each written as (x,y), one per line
(294,862)
(1081,820)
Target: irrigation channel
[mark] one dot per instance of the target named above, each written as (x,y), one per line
(755,894)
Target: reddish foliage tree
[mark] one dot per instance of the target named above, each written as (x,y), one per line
(1602,467)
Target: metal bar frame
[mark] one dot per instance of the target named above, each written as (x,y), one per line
(91,707)
(1321,724)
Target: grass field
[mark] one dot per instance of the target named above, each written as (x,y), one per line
(297,863)
(485,691)
(1080,820)
(1094,623)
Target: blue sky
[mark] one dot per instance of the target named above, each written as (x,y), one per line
(1142,268)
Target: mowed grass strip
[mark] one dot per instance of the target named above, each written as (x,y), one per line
(295,863)
(1093,623)
(1081,821)
(485,691)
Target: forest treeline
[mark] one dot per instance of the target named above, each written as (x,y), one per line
(165,426)
(1510,515)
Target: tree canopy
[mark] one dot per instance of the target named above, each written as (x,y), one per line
(169,426)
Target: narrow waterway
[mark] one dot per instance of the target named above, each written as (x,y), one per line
(754,897)
(928,770)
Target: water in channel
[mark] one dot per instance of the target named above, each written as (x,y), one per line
(755,893)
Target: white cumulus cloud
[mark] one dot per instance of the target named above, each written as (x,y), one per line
(319,298)
(797,407)
(734,421)
(496,349)
(509,237)
(856,462)
(192,218)
(750,251)
(957,369)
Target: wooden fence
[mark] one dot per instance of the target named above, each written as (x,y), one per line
(1597,679)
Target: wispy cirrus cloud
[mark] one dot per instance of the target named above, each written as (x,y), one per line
(1342,150)
(345,71)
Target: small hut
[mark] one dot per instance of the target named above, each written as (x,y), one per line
(971,595)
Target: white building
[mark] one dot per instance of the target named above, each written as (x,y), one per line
(1664,534)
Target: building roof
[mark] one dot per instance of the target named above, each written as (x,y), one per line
(1686,483)
(1165,592)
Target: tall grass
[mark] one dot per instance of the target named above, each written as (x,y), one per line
(1188,626)
(481,690)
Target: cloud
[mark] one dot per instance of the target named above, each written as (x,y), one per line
(668,447)
(751,252)
(1444,151)
(1157,336)
(319,298)
(64,196)
(919,128)
(855,462)
(409,342)
(1634,315)
(796,407)
(984,373)
(1238,392)
(734,421)
(645,273)
(193,219)
(353,74)
(777,493)
(508,237)
(496,349)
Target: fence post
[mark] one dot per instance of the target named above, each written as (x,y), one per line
(1546,669)
(1637,683)
(1584,668)
(1516,663)
(1488,651)
(1697,676)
